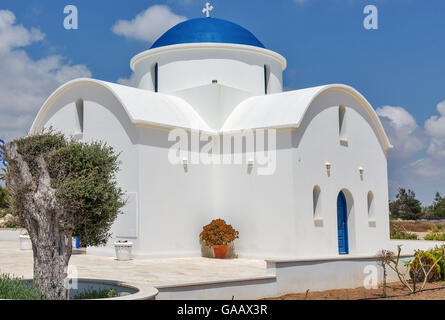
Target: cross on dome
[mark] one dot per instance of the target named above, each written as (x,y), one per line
(207,9)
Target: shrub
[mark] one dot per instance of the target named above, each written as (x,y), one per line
(398,232)
(17,289)
(436,236)
(96,294)
(4,198)
(438,252)
(7,220)
(10,225)
(428,259)
(218,233)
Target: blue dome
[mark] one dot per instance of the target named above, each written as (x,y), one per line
(207,30)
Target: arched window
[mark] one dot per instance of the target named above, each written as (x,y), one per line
(341,121)
(155,76)
(80,113)
(371,213)
(316,196)
(266,78)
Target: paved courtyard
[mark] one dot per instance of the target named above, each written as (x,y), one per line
(154,272)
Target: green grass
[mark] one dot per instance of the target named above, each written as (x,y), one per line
(96,294)
(17,289)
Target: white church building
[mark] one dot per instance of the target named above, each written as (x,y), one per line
(317,188)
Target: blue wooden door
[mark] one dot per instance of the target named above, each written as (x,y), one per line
(342,224)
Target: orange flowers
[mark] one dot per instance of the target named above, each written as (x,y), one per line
(218,232)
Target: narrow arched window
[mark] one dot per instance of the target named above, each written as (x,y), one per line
(80,115)
(155,76)
(341,121)
(371,213)
(266,78)
(316,196)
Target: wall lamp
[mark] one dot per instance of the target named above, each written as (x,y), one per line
(328,166)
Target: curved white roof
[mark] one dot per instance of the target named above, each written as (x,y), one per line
(287,110)
(282,110)
(141,106)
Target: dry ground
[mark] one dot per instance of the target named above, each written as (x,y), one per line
(395,291)
(421,228)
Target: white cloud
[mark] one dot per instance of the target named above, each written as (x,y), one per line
(25,83)
(427,168)
(417,161)
(182,2)
(14,36)
(148,25)
(435,126)
(435,129)
(130,82)
(403,131)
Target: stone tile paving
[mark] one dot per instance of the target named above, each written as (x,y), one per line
(154,272)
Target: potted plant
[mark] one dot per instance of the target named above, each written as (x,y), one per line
(123,250)
(25,241)
(218,234)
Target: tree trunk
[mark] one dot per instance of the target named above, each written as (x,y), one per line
(46,223)
(52,253)
(384,280)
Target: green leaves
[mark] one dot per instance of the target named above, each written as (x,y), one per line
(92,293)
(4,198)
(438,206)
(17,289)
(84,177)
(406,206)
(398,232)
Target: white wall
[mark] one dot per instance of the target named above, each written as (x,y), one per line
(317,142)
(104,120)
(193,65)
(213,102)
(260,207)
(274,213)
(175,201)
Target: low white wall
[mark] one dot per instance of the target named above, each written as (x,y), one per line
(409,246)
(322,274)
(241,289)
(287,277)
(10,234)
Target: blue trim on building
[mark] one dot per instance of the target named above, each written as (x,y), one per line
(342,224)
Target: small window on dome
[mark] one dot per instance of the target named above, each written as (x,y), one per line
(342,123)
(266,78)
(80,112)
(154,76)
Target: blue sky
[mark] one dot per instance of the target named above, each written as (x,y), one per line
(400,68)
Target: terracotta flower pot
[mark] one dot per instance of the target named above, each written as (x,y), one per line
(220,251)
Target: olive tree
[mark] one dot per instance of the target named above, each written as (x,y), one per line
(61,188)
